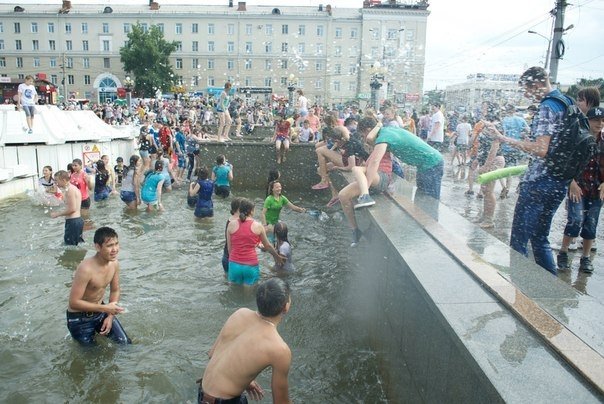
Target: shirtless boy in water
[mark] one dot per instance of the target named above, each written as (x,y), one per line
(87,314)
(247,344)
(74,224)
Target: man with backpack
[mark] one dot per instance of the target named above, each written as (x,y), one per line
(553,159)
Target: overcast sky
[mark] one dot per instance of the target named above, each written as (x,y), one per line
(481,36)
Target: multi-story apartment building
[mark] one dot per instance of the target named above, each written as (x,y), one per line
(331,53)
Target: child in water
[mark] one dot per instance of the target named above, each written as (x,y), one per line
(283,247)
(203,188)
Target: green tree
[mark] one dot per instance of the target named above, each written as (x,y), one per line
(146,57)
(574,89)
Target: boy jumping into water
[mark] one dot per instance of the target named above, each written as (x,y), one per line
(87,313)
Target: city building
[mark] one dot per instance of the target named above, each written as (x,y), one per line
(500,88)
(331,53)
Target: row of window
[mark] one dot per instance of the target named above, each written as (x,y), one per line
(178,29)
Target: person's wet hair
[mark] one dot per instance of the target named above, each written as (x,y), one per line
(366,124)
(132,166)
(77,161)
(62,174)
(100,166)
(220,159)
(271,186)
(591,96)
(271,297)
(235,202)
(533,75)
(245,209)
(280,231)
(49,168)
(203,173)
(159,165)
(103,234)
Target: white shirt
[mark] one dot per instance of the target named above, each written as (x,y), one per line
(303,101)
(28,94)
(463,133)
(439,135)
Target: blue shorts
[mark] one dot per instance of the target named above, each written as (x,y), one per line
(182,162)
(144,153)
(127,196)
(29,110)
(84,325)
(204,212)
(74,227)
(222,190)
(243,274)
(303,112)
(102,194)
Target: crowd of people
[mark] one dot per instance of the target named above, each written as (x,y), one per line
(375,147)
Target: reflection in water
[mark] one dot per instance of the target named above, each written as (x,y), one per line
(71,257)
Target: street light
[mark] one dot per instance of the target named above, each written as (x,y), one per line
(549,46)
(291,86)
(377,76)
(128,85)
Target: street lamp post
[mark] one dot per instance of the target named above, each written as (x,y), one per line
(377,75)
(291,86)
(128,85)
(549,46)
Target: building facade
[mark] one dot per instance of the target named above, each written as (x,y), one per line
(330,53)
(499,88)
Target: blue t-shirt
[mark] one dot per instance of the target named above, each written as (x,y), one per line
(155,134)
(206,188)
(222,174)
(180,139)
(149,191)
(513,126)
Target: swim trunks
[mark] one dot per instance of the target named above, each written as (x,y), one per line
(73,231)
(84,325)
(127,196)
(222,190)
(85,203)
(203,398)
(243,274)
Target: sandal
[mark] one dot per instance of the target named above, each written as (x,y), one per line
(320,185)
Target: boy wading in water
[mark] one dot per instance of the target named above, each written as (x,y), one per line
(87,314)
(247,344)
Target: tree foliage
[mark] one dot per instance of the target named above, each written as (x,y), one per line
(581,83)
(146,56)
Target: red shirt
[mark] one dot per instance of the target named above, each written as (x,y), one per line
(243,244)
(79,181)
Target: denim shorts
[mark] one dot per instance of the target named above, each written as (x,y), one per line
(127,196)
(144,153)
(382,185)
(582,218)
(29,110)
(83,326)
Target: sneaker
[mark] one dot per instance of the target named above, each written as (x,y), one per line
(574,245)
(364,201)
(585,265)
(504,193)
(562,260)
(356,237)
(487,224)
(320,185)
(469,192)
(30,131)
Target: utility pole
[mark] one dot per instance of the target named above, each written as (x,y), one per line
(557,51)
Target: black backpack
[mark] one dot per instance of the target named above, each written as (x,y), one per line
(571,148)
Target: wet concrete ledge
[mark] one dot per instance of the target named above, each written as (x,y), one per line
(457,327)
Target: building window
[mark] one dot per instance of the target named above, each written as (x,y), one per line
(179,63)
(284,46)
(34,27)
(211,64)
(86,80)
(107,63)
(352,69)
(337,50)
(319,48)
(2,61)
(284,63)
(268,29)
(374,51)
(338,32)
(352,86)
(301,48)
(319,65)
(105,28)
(51,28)
(336,86)
(248,64)
(85,45)
(106,45)
(301,29)
(354,50)
(1,27)
(18,44)
(70,79)
(230,47)
(144,27)
(84,28)
(409,34)
(337,69)
(17,28)
(35,45)
(178,46)
(195,81)
(195,46)
(230,64)
(211,29)
(68,28)
(319,30)
(248,29)
(86,63)
(68,45)
(211,47)
(69,63)
(194,28)
(178,29)
(211,81)
(392,33)
(248,47)
(19,62)
(1,44)
(52,45)
(267,82)
(300,83)
(53,62)
(54,79)
(375,33)
(268,47)
(126,28)
(354,33)
(36,61)
(319,84)
(230,29)
(284,29)
(195,63)
(268,64)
